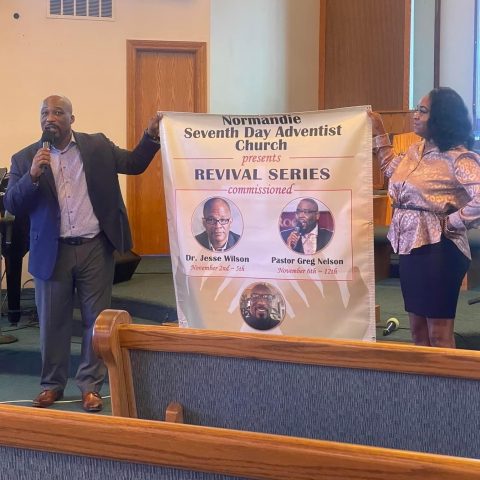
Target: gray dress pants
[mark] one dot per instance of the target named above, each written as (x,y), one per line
(88,269)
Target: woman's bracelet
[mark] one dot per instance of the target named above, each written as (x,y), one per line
(380,141)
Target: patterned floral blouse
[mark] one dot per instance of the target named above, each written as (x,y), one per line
(426,187)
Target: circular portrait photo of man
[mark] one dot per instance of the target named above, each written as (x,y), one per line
(217,224)
(306,225)
(262,306)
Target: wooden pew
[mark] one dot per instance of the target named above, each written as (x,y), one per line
(40,444)
(382,395)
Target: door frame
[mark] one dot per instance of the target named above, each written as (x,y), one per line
(199,49)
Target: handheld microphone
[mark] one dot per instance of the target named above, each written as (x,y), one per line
(296,230)
(392,325)
(47,140)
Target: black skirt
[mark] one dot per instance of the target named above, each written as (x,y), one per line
(431,277)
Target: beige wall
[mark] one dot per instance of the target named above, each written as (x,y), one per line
(422,51)
(84,60)
(457,47)
(264,56)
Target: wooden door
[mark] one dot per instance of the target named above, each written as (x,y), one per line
(164,76)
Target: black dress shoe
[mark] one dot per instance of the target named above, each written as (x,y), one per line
(47,398)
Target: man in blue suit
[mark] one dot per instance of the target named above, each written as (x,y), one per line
(68,185)
(217,220)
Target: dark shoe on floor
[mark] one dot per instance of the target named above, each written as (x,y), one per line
(92,402)
(47,398)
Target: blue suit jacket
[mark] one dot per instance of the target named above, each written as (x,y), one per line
(102,161)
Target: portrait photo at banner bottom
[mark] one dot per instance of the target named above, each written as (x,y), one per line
(217,224)
(306,225)
(262,306)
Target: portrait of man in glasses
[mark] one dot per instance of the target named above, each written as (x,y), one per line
(217,220)
(306,236)
(262,308)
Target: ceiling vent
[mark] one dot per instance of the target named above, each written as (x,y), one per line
(81,9)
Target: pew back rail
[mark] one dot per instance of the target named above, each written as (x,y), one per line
(37,443)
(384,395)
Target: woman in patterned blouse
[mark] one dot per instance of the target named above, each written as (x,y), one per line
(435,189)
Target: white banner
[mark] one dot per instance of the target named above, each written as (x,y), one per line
(270,221)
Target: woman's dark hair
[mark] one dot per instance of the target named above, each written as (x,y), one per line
(449,124)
